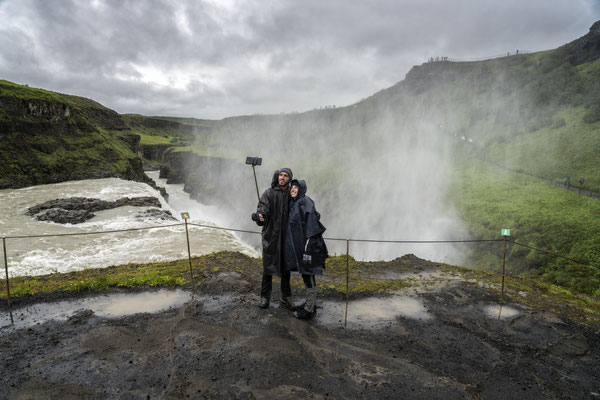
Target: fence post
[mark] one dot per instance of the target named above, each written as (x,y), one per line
(347,280)
(503,264)
(187,236)
(7,281)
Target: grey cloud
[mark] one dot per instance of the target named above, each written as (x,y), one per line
(261,56)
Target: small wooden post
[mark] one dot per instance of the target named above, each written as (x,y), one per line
(189,253)
(7,281)
(347,280)
(503,265)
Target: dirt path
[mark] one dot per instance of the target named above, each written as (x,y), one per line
(441,341)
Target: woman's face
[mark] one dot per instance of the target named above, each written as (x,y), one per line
(294,191)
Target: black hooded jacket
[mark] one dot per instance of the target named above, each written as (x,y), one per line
(273,205)
(304,235)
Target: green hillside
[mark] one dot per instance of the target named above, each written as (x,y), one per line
(166,130)
(48,137)
(538,112)
(540,215)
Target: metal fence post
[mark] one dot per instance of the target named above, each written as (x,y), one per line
(347,280)
(7,281)
(503,264)
(187,236)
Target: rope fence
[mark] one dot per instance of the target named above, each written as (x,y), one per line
(505,240)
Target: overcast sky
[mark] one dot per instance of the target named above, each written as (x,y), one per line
(219,58)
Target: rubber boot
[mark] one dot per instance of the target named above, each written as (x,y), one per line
(264,302)
(286,302)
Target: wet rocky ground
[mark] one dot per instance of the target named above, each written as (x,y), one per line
(438,336)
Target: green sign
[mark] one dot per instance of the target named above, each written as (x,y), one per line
(185,215)
(505,232)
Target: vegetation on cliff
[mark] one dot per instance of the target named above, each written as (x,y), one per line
(48,137)
(540,215)
(166,130)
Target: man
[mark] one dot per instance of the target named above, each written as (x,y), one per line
(271,214)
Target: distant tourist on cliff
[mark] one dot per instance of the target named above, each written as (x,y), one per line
(305,249)
(272,215)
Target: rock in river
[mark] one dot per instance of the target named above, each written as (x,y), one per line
(75,210)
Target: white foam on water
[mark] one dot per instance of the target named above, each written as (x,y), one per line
(35,256)
(204,214)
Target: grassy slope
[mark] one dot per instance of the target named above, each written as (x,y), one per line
(166,130)
(539,215)
(562,135)
(71,137)
(532,112)
(556,135)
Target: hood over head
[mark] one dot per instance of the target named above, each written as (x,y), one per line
(301,187)
(275,180)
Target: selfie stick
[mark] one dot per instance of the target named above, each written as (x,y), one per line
(254,161)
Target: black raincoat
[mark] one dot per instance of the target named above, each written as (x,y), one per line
(304,235)
(273,205)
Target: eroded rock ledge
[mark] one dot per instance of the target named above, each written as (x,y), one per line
(75,210)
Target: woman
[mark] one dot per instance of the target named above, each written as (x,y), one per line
(305,249)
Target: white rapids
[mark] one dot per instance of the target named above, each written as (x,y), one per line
(38,256)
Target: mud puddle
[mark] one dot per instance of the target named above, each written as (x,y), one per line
(111,306)
(371,313)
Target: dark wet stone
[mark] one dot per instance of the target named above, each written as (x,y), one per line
(75,210)
(576,345)
(80,317)
(164,215)
(61,216)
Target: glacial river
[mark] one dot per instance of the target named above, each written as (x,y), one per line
(36,256)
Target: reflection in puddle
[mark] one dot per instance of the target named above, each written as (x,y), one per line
(499,311)
(112,306)
(371,313)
